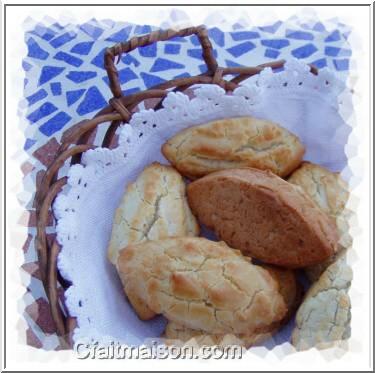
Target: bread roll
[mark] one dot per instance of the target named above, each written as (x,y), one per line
(152,208)
(289,289)
(201,284)
(233,143)
(264,216)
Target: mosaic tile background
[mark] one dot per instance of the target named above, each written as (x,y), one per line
(65,82)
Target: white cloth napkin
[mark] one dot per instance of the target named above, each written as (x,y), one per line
(304,103)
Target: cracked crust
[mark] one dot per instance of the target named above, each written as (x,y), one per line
(290,290)
(264,216)
(330,192)
(234,143)
(324,316)
(202,284)
(152,208)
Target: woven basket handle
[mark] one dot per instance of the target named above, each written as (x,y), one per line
(153,37)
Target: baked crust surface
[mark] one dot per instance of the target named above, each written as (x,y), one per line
(153,207)
(233,143)
(264,216)
(289,289)
(201,284)
(324,315)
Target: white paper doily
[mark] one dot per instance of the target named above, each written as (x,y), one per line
(304,103)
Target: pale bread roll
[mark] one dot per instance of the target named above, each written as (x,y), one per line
(330,192)
(234,143)
(324,315)
(153,207)
(203,284)
(264,216)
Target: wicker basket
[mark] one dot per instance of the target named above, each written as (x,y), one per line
(78,139)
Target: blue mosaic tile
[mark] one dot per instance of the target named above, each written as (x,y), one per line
(172,48)
(74,96)
(37,96)
(271,53)
(202,68)
(148,51)
(49,72)
(92,101)
(128,59)
(322,62)
(43,32)
(217,36)
(335,51)
(28,144)
(58,26)
(230,63)
(183,75)
(98,60)
(63,39)
(151,80)
(68,58)
(45,109)
(56,88)
(334,36)
(26,66)
(319,27)
(299,35)
(25,82)
(80,76)
(341,65)
(35,51)
(124,75)
(194,40)
(162,64)
(271,28)
(82,48)
(55,123)
(237,26)
(91,30)
(240,49)
(121,35)
(275,43)
(244,35)
(178,39)
(141,30)
(304,51)
(197,53)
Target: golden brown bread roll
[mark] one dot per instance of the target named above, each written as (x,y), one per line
(290,290)
(234,143)
(203,284)
(330,192)
(264,216)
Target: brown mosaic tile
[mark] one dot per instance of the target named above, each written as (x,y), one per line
(33,269)
(32,339)
(46,153)
(26,245)
(28,219)
(40,312)
(26,168)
